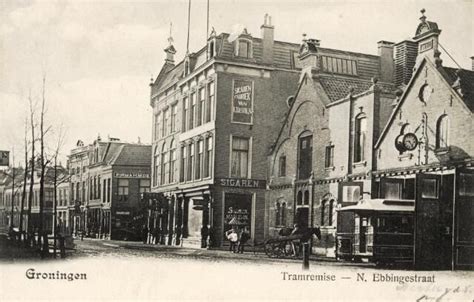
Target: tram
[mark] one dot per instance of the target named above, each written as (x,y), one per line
(381,231)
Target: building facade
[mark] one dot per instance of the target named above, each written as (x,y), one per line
(214,120)
(109,178)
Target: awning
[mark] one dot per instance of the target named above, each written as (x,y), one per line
(381,205)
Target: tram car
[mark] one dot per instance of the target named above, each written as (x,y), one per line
(378,230)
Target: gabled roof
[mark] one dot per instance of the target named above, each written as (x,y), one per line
(133,155)
(450,75)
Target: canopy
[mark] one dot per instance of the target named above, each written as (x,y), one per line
(381,205)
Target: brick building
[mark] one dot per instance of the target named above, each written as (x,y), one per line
(323,154)
(214,121)
(107,179)
(425,154)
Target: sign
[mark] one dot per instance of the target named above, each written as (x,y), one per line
(241,183)
(4,158)
(122,213)
(132,175)
(242,102)
(237,211)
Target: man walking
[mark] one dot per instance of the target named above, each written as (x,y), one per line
(244,237)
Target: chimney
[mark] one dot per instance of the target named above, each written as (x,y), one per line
(387,65)
(267,40)
(405,58)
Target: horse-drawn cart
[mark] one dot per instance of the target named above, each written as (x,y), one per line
(288,244)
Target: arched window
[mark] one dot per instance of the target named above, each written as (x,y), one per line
(156,166)
(299,198)
(306,197)
(164,165)
(360,138)
(172,162)
(323,211)
(305,155)
(280,213)
(442,132)
(330,211)
(282,165)
(283,213)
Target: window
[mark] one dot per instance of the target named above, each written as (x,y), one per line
(210,101)
(330,212)
(280,213)
(442,132)
(144,185)
(123,189)
(164,128)
(240,157)
(190,162)
(108,190)
(172,162)
(210,49)
(392,190)
(173,118)
(305,156)
(104,190)
(201,110)
(183,164)
(282,166)
(466,184)
(360,138)
(329,162)
(208,158)
(98,187)
(299,198)
(323,211)
(338,65)
(306,197)
(200,153)
(192,112)
(164,165)
(244,48)
(156,166)
(157,125)
(185,114)
(429,188)
(73,192)
(351,192)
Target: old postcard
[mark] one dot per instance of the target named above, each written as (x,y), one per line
(240,150)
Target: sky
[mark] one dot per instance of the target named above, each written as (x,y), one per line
(98,56)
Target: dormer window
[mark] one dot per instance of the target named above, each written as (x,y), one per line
(211,49)
(244,48)
(187,69)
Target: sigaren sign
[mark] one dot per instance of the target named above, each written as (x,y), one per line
(241,183)
(132,175)
(242,102)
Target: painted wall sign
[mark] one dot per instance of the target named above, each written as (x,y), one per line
(241,183)
(131,175)
(242,102)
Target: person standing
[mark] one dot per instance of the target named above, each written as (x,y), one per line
(243,238)
(204,235)
(233,239)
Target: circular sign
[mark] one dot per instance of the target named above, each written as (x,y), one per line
(410,141)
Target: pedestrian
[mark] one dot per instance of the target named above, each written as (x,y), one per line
(211,237)
(156,235)
(243,238)
(204,235)
(233,239)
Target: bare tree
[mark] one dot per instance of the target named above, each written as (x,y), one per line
(25,177)
(32,169)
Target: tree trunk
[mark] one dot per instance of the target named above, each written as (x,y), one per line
(43,168)
(23,195)
(32,175)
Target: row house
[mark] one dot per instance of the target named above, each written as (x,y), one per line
(106,186)
(214,118)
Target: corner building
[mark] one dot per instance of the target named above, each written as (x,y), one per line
(216,114)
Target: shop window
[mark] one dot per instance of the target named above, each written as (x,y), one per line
(329,162)
(123,189)
(240,157)
(282,166)
(305,156)
(360,138)
(144,185)
(442,132)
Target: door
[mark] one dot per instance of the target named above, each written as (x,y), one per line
(463,222)
(302,217)
(432,224)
